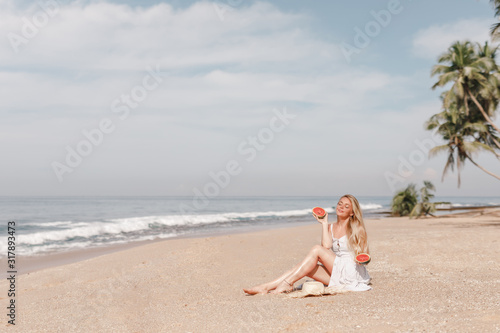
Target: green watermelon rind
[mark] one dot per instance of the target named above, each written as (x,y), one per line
(322,216)
(361,261)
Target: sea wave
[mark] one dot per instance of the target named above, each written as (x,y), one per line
(79,231)
(443,206)
(370,206)
(67,246)
(68,224)
(67,234)
(47,236)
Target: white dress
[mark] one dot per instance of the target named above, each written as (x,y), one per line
(347,273)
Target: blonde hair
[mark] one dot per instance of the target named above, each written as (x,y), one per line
(356,231)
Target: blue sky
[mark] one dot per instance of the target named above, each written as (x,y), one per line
(227,98)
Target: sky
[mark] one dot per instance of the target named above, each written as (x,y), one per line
(235,97)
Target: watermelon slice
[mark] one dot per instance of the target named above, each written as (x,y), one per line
(363,258)
(319,212)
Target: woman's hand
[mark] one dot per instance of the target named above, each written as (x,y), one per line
(322,220)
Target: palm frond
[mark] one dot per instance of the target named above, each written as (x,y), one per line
(439,149)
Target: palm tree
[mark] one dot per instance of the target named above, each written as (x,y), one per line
(424,206)
(495,28)
(488,98)
(474,75)
(464,137)
(404,201)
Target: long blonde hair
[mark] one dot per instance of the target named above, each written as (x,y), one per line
(356,231)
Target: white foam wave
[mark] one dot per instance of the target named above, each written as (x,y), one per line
(466,205)
(75,231)
(87,231)
(73,235)
(29,251)
(183,220)
(51,224)
(112,227)
(116,229)
(371,206)
(68,224)
(57,247)
(443,206)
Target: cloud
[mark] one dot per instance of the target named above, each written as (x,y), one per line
(110,37)
(88,54)
(429,43)
(220,82)
(92,52)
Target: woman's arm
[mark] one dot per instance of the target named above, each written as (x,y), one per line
(326,237)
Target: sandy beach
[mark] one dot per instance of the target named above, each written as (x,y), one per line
(432,275)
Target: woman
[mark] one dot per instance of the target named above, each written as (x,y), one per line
(332,262)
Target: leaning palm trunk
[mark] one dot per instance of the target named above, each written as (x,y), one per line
(495,28)
(480,167)
(485,115)
(497,143)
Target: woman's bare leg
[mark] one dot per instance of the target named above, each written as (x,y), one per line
(318,273)
(266,287)
(308,267)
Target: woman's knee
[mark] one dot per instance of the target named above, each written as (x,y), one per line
(317,249)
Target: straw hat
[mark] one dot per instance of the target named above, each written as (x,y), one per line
(315,288)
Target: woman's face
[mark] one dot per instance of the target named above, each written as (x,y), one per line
(344,208)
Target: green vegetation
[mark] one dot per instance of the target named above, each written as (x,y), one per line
(424,206)
(465,123)
(404,201)
(409,202)
(495,28)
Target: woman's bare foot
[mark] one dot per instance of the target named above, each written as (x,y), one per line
(256,290)
(283,287)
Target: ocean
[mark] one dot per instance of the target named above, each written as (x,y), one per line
(54,224)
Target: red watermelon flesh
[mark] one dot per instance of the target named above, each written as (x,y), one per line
(363,258)
(319,212)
